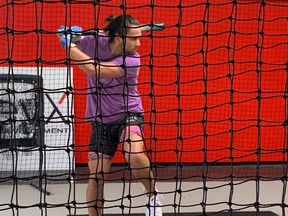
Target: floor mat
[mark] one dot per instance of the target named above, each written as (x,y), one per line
(245,213)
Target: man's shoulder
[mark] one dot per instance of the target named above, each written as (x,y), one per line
(101,37)
(133,59)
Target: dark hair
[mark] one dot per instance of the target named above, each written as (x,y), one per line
(109,19)
(119,26)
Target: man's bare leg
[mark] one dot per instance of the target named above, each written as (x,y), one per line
(94,193)
(140,164)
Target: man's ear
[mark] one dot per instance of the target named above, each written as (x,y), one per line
(116,38)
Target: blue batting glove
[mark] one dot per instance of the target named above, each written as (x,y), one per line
(64,36)
(76,29)
(76,33)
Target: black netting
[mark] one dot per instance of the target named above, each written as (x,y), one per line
(213,85)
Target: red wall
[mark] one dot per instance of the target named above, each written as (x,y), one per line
(184,116)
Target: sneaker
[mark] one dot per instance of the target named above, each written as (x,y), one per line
(154,206)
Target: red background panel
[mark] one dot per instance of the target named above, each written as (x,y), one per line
(212,77)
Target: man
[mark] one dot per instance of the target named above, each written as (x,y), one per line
(114,105)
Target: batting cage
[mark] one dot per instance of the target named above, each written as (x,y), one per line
(122,107)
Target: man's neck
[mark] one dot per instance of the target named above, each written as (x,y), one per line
(115,50)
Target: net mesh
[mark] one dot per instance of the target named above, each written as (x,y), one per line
(213,84)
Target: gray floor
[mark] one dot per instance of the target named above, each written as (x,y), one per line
(244,196)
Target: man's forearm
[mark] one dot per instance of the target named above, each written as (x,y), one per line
(83,61)
(92,68)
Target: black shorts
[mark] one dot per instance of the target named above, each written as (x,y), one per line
(105,137)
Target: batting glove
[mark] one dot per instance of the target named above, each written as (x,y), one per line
(64,35)
(76,33)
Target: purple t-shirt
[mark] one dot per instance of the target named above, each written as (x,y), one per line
(108,99)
